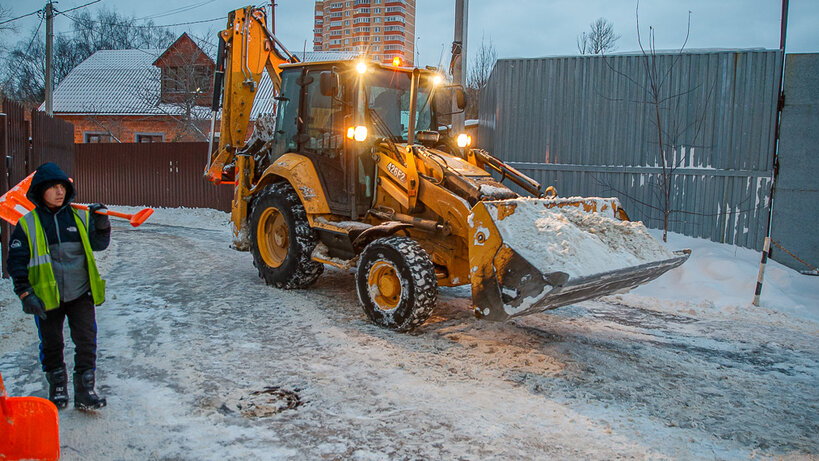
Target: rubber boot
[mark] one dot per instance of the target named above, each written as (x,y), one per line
(58,387)
(84,396)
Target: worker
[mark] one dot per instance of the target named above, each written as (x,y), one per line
(55,275)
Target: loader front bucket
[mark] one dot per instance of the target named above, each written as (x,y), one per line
(531,255)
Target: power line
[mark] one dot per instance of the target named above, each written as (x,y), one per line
(78,7)
(147,26)
(21,17)
(22,60)
(176,10)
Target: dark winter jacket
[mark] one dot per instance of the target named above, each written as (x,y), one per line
(60,228)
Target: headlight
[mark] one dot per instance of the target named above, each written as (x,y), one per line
(358,133)
(464,140)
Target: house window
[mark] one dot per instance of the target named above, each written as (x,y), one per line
(96,138)
(149,137)
(179,83)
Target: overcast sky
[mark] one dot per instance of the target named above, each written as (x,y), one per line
(516,28)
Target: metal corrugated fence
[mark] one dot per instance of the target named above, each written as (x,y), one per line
(149,174)
(587,126)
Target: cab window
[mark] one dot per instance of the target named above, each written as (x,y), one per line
(287,114)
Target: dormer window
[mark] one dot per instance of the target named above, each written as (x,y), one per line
(187,74)
(182,83)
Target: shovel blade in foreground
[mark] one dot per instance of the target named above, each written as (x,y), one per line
(29,428)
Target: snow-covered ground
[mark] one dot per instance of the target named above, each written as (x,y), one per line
(199,359)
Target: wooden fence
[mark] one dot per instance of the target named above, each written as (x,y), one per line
(26,145)
(52,140)
(150,174)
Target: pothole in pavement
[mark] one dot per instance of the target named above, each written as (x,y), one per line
(269,401)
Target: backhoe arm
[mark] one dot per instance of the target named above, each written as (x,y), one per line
(246,49)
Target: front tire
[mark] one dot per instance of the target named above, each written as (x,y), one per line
(396,283)
(281,239)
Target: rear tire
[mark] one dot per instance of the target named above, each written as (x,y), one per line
(396,283)
(281,239)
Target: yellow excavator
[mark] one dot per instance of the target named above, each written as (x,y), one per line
(354,173)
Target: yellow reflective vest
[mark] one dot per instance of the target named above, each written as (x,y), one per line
(40,272)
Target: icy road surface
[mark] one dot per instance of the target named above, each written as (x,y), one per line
(200,360)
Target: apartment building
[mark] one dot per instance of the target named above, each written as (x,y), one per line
(382,29)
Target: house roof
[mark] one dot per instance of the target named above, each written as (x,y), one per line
(121,82)
(126,82)
(182,52)
(263,103)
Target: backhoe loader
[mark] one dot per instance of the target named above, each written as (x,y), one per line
(353,173)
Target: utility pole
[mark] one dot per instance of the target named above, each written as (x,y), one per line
(458,64)
(273,17)
(49,79)
(766,246)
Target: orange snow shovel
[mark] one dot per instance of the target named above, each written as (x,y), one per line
(14,204)
(29,428)
(135,219)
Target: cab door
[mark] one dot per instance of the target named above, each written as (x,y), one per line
(310,124)
(322,139)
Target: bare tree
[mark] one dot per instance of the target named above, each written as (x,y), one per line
(5,15)
(600,38)
(111,31)
(25,78)
(478,77)
(677,128)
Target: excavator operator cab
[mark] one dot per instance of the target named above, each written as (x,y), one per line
(335,113)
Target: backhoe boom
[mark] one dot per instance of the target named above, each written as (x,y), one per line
(246,49)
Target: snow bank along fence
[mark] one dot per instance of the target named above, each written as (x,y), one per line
(149,174)
(51,140)
(587,125)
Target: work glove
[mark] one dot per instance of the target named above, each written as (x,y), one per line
(32,305)
(101,221)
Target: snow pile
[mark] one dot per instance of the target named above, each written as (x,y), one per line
(719,280)
(571,240)
(204,218)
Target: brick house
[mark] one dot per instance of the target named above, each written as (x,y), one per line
(150,95)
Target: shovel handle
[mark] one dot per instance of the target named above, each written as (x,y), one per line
(135,219)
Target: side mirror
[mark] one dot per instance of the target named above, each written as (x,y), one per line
(443,100)
(460,97)
(328,83)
